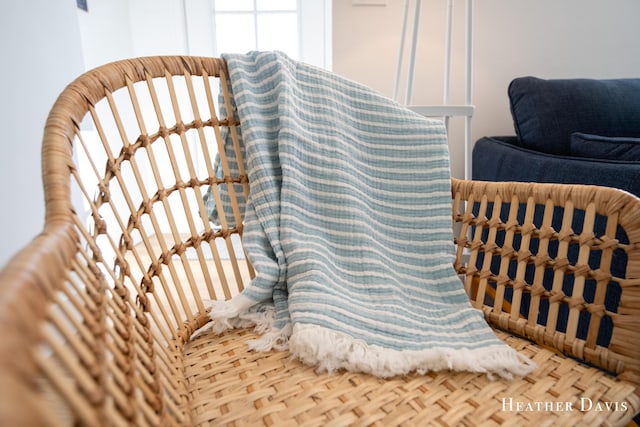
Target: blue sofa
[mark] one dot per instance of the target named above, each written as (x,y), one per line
(575,131)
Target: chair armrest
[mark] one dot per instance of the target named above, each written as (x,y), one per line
(506,251)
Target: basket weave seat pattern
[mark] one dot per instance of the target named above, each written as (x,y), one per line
(100,312)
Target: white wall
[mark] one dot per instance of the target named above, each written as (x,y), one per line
(105,32)
(157,27)
(40,44)
(118,29)
(546,38)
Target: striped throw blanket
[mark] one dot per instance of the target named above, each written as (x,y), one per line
(348,226)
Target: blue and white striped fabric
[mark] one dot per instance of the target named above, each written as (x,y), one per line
(348,225)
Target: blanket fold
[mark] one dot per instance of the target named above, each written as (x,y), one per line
(348,227)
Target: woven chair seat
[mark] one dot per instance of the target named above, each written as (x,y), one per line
(230,385)
(98,312)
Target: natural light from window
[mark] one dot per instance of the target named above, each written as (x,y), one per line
(245,25)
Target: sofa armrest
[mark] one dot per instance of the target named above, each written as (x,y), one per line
(503,159)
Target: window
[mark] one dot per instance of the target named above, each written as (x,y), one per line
(299,28)
(245,25)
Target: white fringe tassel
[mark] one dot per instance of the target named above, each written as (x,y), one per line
(331,350)
(238,312)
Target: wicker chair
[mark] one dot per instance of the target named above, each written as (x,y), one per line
(97,312)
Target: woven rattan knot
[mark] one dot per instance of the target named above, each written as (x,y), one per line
(481,221)
(576,302)
(95,270)
(128,151)
(485,274)
(163,132)
(467,218)
(502,279)
(198,123)
(144,321)
(546,232)
(561,264)
(527,228)
(541,260)
(194,183)
(462,241)
(123,265)
(147,284)
(103,193)
(155,268)
(121,291)
(148,349)
(475,245)
(524,254)
(180,128)
(596,309)
(244,179)
(147,207)
(100,224)
(490,247)
(144,141)
(508,252)
(143,302)
(565,235)
(126,242)
(511,225)
(208,235)
(112,166)
(601,275)
(538,290)
(607,242)
(135,221)
(180,249)
(518,285)
(581,270)
(587,238)
(556,296)
(165,258)
(495,222)
(471,270)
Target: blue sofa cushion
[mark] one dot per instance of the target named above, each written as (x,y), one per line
(503,159)
(547,112)
(604,147)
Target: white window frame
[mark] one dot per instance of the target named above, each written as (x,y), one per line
(314,29)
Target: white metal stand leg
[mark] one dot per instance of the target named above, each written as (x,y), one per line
(446,110)
(468,90)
